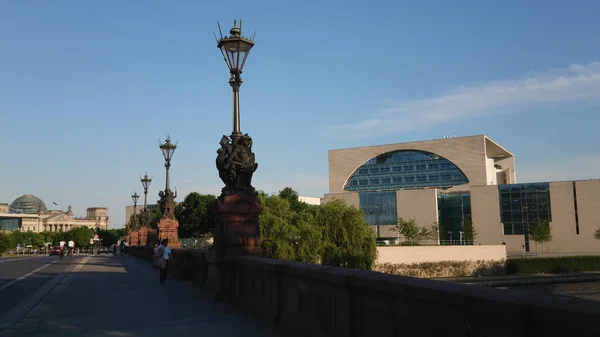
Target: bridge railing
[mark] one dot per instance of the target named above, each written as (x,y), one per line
(331,301)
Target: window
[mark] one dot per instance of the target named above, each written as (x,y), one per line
(405,169)
(524,205)
(454,210)
(379,207)
(10,224)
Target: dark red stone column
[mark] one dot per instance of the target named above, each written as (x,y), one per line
(237,231)
(167,229)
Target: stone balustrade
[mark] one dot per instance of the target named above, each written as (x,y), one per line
(330,301)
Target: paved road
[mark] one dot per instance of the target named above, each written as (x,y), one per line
(120,296)
(21,277)
(586,290)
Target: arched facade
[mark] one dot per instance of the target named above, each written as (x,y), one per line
(405,169)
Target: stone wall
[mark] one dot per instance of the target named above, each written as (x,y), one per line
(329,301)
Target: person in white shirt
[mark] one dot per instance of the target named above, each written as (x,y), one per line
(164,253)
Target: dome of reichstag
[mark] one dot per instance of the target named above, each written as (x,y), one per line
(28,204)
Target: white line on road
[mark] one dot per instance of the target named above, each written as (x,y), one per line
(4,286)
(20,258)
(13,317)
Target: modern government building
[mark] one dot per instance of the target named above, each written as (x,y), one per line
(29,213)
(453,180)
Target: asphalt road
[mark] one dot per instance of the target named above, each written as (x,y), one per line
(20,277)
(585,290)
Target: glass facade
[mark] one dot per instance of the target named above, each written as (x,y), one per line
(523,205)
(379,208)
(10,224)
(405,169)
(454,210)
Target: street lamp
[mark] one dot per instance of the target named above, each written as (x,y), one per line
(235,49)
(235,160)
(167,202)
(145,183)
(167,149)
(135,197)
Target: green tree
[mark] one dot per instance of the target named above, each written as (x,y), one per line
(108,237)
(411,231)
(154,216)
(347,239)
(540,233)
(288,235)
(6,243)
(81,235)
(469,231)
(193,215)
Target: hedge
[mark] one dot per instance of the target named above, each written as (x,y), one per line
(553,265)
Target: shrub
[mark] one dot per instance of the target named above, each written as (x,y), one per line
(443,269)
(563,264)
(5,242)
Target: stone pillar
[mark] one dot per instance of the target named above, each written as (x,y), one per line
(134,236)
(143,236)
(237,231)
(167,229)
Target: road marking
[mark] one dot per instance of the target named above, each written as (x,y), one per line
(14,316)
(20,258)
(4,286)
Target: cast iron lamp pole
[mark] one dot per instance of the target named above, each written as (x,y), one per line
(145,183)
(168,149)
(235,49)
(135,197)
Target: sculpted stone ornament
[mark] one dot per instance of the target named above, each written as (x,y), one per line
(236,164)
(166,203)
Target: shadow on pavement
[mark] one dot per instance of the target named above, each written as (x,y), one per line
(121,296)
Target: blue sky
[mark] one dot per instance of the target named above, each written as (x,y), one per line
(88,87)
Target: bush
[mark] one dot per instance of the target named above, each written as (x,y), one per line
(553,265)
(5,242)
(443,269)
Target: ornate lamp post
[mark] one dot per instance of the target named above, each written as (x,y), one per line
(236,174)
(135,197)
(168,224)
(238,207)
(145,183)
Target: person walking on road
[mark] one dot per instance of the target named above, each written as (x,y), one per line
(164,254)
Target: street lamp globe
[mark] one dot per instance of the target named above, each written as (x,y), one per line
(135,197)
(168,149)
(235,49)
(146,181)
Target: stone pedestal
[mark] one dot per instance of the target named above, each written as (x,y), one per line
(143,236)
(167,229)
(134,238)
(237,231)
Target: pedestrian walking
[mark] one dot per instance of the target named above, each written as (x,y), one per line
(164,255)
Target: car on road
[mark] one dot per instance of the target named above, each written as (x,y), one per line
(55,251)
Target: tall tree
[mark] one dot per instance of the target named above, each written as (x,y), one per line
(192,214)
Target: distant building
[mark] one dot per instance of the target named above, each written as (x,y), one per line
(310,200)
(129,210)
(29,213)
(452,181)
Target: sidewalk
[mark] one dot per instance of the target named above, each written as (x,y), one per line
(120,296)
